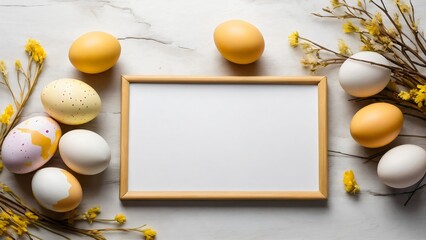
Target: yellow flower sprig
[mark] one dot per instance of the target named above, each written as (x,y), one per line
(351,186)
(26,79)
(417,95)
(395,35)
(17,219)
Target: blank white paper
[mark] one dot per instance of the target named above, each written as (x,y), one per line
(223,137)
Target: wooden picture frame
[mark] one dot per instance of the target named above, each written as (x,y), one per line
(140,163)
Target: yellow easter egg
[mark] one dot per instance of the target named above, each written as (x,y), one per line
(239,41)
(94,52)
(376,125)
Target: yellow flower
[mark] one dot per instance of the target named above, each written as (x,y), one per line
(31,216)
(18,65)
(91,214)
(402,6)
(372,26)
(7,114)
(396,21)
(344,48)
(349,27)
(35,50)
(351,185)
(3,69)
(386,42)
(120,218)
(3,225)
(7,189)
(1,165)
(420,98)
(335,3)
(309,60)
(294,39)
(19,230)
(4,215)
(392,32)
(378,17)
(20,221)
(8,238)
(404,95)
(149,234)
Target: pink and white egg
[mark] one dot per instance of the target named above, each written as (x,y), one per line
(30,144)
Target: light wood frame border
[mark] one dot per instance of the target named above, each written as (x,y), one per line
(322,193)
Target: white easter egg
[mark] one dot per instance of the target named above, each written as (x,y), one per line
(402,166)
(361,79)
(56,189)
(84,151)
(30,144)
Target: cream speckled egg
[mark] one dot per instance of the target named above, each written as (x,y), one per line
(361,79)
(56,189)
(71,101)
(402,166)
(84,151)
(30,144)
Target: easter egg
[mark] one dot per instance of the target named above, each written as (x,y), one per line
(94,52)
(71,101)
(402,166)
(56,189)
(84,151)
(30,144)
(376,125)
(239,41)
(361,79)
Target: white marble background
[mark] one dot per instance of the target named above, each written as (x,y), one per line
(175,37)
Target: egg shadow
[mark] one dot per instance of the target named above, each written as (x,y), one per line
(252,69)
(22,181)
(228,203)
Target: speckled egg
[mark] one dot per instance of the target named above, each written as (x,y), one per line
(56,189)
(71,101)
(30,144)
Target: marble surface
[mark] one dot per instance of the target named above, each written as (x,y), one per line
(175,38)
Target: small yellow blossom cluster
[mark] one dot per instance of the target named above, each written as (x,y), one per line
(35,50)
(13,224)
(120,218)
(351,186)
(7,114)
(91,214)
(294,39)
(149,234)
(417,95)
(3,69)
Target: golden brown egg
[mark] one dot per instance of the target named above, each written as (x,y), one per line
(376,125)
(239,41)
(94,52)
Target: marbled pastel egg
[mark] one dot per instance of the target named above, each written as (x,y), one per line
(71,101)
(30,144)
(56,189)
